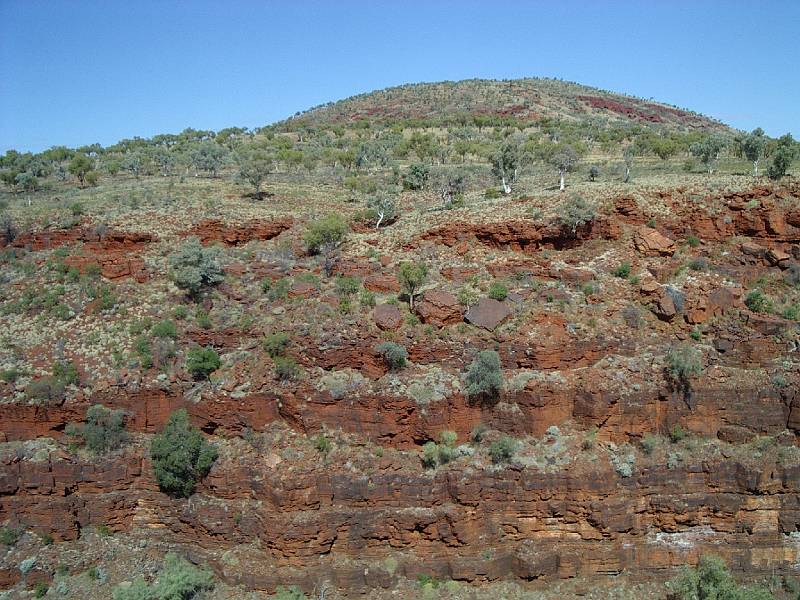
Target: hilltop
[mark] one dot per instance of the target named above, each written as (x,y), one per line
(531,99)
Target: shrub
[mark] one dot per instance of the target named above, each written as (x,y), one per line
(503,449)
(165,329)
(698,264)
(498,291)
(758,302)
(286,368)
(347,286)
(594,172)
(66,371)
(411,276)
(393,354)
(9,535)
(430,455)
(10,375)
(324,236)
(278,289)
(792,312)
(40,590)
(193,267)
(492,194)
(103,431)
(711,580)
(649,443)
(683,363)
(477,433)
(416,177)
(177,580)
(623,271)
(322,444)
(275,344)
(201,362)
(202,319)
(484,377)
(180,313)
(693,241)
(677,433)
(289,593)
(367,298)
(181,456)
(575,213)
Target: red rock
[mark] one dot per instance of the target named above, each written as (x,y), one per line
(381,283)
(651,243)
(440,308)
(213,230)
(778,257)
(302,289)
(387,316)
(488,313)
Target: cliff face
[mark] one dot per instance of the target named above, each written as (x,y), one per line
(587,494)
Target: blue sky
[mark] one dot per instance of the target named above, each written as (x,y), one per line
(76,72)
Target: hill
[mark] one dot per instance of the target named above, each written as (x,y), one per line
(529,99)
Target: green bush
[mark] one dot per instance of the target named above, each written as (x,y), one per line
(180,313)
(484,377)
(194,268)
(9,535)
(393,354)
(693,241)
(286,368)
(711,580)
(178,580)
(324,235)
(66,371)
(758,302)
(165,329)
(291,593)
(322,444)
(677,433)
(181,456)
(202,319)
(40,590)
(576,212)
(103,431)
(201,362)
(684,362)
(275,344)
(498,291)
(649,443)
(503,449)
(492,193)
(623,271)
(347,286)
(278,289)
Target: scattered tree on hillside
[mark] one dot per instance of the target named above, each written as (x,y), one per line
(324,237)
(752,146)
(782,155)
(505,165)
(411,277)
(564,159)
(254,167)
(385,206)
(80,166)
(208,156)
(708,151)
(627,158)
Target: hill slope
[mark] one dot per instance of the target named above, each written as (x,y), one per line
(524,99)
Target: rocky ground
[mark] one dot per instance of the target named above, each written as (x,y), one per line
(620,474)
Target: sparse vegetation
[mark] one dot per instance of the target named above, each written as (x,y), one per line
(103,431)
(393,354)
(194,268)
(484,377)
(201,362)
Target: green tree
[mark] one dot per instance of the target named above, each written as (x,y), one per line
(181,456)
(752,146)
(564,159)
(411,276)
(208,156)
(505,164)
(79,166)
(782,156)
(708,150)
(193,267)
(576,212)
(254,167)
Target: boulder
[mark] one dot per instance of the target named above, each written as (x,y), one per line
(387,316)
(651,243)
(439,308)
(488,313)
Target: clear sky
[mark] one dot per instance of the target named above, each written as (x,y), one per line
(80,71)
